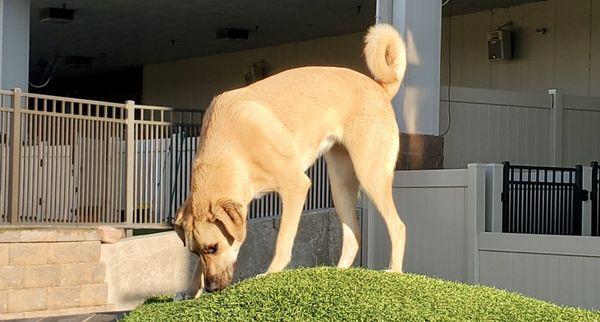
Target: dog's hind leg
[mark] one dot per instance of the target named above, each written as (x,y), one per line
(373,147)
(344,189)
(293,193)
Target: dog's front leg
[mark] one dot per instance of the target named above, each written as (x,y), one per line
(293,201)
(196,285)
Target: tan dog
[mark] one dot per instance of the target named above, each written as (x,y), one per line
(264,137)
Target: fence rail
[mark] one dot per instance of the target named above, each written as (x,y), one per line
(542,200)
(66,161)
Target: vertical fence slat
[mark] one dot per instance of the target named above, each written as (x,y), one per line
(129,160)
(15,162)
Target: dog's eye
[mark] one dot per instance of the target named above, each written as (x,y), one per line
(210,249)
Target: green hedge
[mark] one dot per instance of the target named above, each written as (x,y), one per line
(330,294)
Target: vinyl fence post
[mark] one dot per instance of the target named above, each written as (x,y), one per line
(129,161)
(475,221)
(557,126)
(15,160)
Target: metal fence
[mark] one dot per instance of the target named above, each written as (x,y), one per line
(595,197)
(542,200)
(66,161)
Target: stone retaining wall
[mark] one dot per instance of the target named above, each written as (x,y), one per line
(50,272)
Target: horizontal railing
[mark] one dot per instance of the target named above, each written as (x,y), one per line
(66,161)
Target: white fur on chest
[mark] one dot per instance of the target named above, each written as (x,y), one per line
(325,145)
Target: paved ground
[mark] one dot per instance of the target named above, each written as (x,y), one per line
(91,317)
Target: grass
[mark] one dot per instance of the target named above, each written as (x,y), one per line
(330,294)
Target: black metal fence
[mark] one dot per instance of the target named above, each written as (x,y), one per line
(542,200)
(595,196)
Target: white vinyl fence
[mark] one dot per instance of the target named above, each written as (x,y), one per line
(449,235)
(491,126)
(66,161)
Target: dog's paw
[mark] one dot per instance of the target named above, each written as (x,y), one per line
(262,275)
(182,296)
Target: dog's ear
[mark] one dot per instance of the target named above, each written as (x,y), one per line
(230,214)
(179,223)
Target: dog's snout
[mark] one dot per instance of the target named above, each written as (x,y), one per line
(213,285)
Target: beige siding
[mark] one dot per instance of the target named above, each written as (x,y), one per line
(567,56)
(475,66)
(537,50)
(573,46)
(581,141)
(192,83)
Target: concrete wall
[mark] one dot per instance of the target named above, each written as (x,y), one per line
(140,267)
(567,56)
(192,83)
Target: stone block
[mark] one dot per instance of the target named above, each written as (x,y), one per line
(10,235)
(82,273)
(63,297)
(4,254)
(74,252)
(110,235)
(94,294)
(3,301)
(11,277)
(67,252)
(42,275)
(38,235)
(27,299)
(28,253)
(89,251)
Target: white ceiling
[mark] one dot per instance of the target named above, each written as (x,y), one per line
(135,32)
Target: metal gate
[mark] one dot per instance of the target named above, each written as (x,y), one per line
(542,200)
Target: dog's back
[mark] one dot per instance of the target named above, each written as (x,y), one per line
(315,106)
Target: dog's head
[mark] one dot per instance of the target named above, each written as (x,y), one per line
(215,232)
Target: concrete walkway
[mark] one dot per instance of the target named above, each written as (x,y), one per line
(91,317)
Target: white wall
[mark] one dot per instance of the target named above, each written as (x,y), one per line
(432,205)
(14,44)
(491,126)
(445,213)
(566,57)
(192,83)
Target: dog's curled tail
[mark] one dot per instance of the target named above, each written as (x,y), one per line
(385,54)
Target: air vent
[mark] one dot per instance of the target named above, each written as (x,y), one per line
(232,34)
(57,15)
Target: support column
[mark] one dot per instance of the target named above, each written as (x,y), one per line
(14,44)
(417,104)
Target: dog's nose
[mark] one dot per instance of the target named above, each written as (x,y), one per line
(211,286)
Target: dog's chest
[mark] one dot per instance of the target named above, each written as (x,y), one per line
(325,145)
